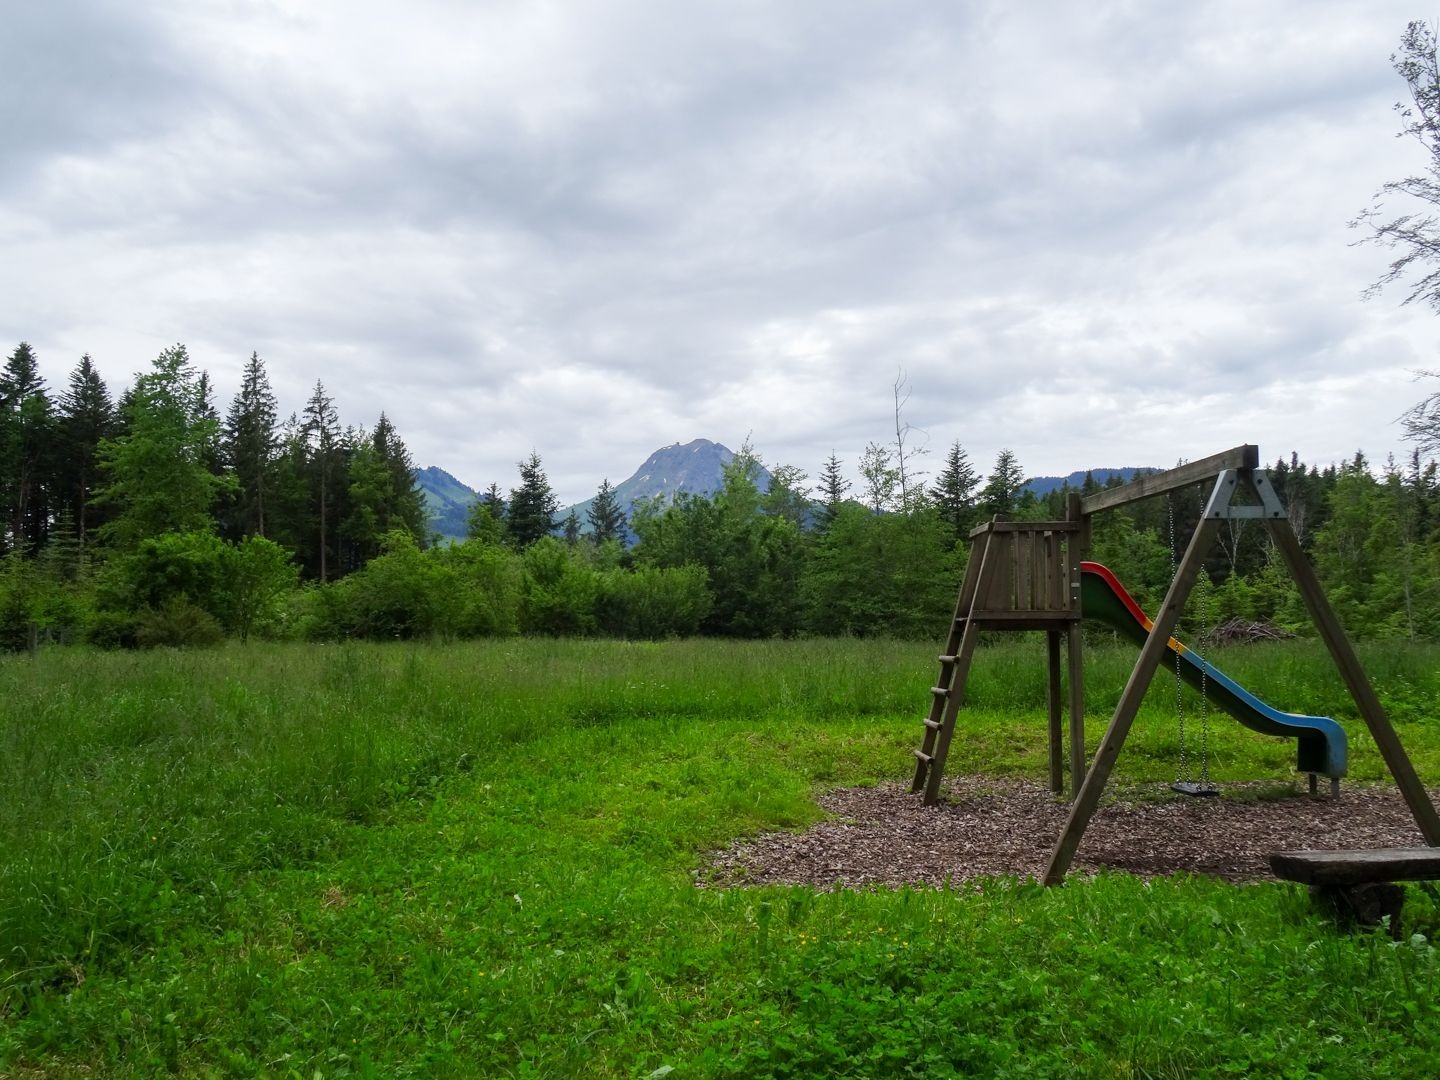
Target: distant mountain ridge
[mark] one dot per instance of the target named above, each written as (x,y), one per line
(697,467)
(1043,485)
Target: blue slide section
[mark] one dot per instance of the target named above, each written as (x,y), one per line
(1320,741)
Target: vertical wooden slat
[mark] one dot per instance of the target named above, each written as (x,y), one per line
(1052,700)
(1023,565)
(1151,654)
(1381,730)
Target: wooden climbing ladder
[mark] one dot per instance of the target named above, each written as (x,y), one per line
(1021,575)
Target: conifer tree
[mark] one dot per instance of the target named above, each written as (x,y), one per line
(1001,494)
(86,416)
(570,528)
(954,491)
(26,433)
(607,520)
(833,487)
(252,445)
(322,436)
(533,504)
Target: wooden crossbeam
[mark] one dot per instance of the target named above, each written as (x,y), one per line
(1193,472)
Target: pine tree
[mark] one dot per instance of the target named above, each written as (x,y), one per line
(383,496)
(322,436)
(954,491)
(607,520)
(1001,494)
(833,487)
(533,504)
(26,434)
(86,418)
(252,445)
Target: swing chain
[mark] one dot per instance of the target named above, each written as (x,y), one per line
(1206,636)
(1184,773)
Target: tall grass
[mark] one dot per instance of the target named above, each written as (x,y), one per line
(268,851)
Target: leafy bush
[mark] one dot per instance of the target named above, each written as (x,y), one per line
(651,602)
(177,623)
(558,590)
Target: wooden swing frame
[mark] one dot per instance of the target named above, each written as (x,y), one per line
(1026,576)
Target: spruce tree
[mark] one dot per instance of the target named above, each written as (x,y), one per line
(533,504)
(570,528)
(252,445)
(607,520)
(26,446)
(954,491)
(833,487)
(1001,494)
(322,437)
(86,417)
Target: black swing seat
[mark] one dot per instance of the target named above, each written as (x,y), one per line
(1198,791)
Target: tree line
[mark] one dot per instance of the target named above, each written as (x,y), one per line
(156,519)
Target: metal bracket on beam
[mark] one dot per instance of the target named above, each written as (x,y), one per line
(1230,481)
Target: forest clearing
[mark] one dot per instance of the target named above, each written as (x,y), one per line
(500,858)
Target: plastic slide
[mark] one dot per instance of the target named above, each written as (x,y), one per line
(1320,741)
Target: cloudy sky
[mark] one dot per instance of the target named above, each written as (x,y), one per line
(1101,234)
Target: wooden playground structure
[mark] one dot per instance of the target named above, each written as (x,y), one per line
(1026,576)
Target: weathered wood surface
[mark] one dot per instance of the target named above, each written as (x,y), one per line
(1357,867)
(1241,457)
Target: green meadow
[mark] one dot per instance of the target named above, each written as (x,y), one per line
(480,860)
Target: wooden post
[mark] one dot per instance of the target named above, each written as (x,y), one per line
(1355,679)
(1074,640)
(1057,735)
(1083,809)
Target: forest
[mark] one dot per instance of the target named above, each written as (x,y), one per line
(152,519)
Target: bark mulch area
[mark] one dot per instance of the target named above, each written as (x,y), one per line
(885,836)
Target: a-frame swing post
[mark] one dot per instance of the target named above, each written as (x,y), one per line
(1361,691)
(1077,550)
(1085,804)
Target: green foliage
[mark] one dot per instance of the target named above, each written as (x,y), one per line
(651,602)
(1001,493)
(887,574)
(607,520)
(158,473)
(177,623)
(559,590)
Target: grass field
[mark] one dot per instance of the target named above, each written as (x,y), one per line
(477,860)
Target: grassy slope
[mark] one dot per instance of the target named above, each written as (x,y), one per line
(477,859)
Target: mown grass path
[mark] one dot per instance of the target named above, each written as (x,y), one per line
(478,860)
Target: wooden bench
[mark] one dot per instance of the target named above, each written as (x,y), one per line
(1359,885)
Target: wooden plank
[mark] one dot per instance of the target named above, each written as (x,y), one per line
(1341,651)
(1083,808)
(1357,867)
(1074,642)
(1022,620)
(999,554)
(1024,565)
(1193,472)
(1024,526)
(1052,700)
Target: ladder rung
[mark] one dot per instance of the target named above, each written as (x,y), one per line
(933,725)
(946,659)
(940,691)
(926,758)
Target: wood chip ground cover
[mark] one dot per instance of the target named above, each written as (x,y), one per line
(885,836)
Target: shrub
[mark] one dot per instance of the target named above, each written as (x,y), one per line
(651,602)
(177,623)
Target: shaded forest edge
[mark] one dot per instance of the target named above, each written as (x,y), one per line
(155,520)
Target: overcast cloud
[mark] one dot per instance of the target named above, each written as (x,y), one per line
(1105,234)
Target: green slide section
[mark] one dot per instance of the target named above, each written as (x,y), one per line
(1320,741)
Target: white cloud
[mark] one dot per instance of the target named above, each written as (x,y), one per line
(1099,235)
